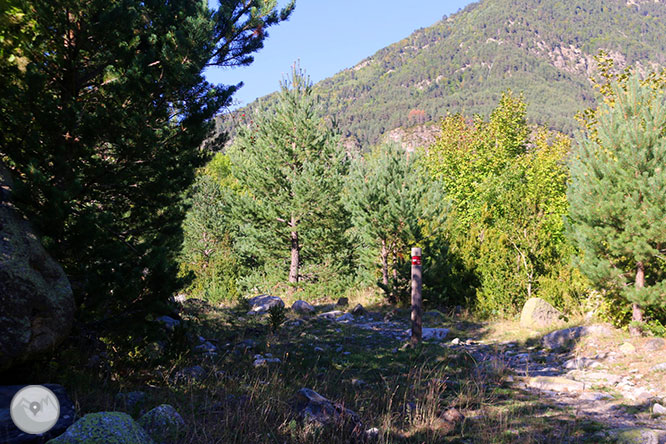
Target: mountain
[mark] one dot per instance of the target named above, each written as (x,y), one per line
(542,48)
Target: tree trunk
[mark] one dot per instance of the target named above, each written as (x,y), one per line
(295,257)
(385,275)
(637,311)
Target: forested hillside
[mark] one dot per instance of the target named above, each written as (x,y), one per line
(544,48)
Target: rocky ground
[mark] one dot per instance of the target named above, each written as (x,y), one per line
(342,373)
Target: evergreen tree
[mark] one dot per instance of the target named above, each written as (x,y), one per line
(103,129)
(393,207)
(291,167)
(618,196)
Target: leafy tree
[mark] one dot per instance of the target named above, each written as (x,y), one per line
(507,190)
(617,196)
(291,167)
(393,207)
(103,131)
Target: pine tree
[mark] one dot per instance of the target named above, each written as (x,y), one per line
(103,128)
(618,196)
(393,206)
(290,165)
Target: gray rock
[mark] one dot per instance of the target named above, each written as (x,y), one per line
(302,307)
(635,436)
(659,367)
(658,409)
(206,347)
(654,344)
(260,361)
(10,434)
(180,298)
(359,310)
(164,424)
(168,322)
(190,374)
(372,433)
(538,313)
(37,302)
(330,315)
(342,302)
(435,334)
(261,304)
(311,407)
(455,341)
(565,337)
(347,317)
(104,428)
(131,402)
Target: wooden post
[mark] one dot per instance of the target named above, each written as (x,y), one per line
(417,298)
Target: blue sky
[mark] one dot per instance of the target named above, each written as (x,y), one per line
(328,36)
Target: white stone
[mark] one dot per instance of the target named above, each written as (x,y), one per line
(261,304)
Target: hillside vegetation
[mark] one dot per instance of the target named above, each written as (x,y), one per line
(463,63)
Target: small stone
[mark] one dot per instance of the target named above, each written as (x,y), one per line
(359,310)
(659,367)
(658,409)
(318,349)
(627,348)
(437,334)
(654,344)
(330,315)
(164,424)
(594,396)
(342,302)
(261,304)
(372,433)
(195,373)
(455,341)
(347,317)
(206,347)
(314,408)
(168,322)
(453,415)
(358,383)
(302,307)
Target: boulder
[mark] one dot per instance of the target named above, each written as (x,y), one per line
(37,301)
(10,434)
(104,428)
(658,409)
(164,424)
(311,407)
(538,313)
(565,337)
(302,307)
(261,304)
(638,435)
(627,348)
(347,317)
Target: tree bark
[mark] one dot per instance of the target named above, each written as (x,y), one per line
(636,310)
(385,275)
(295,257)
